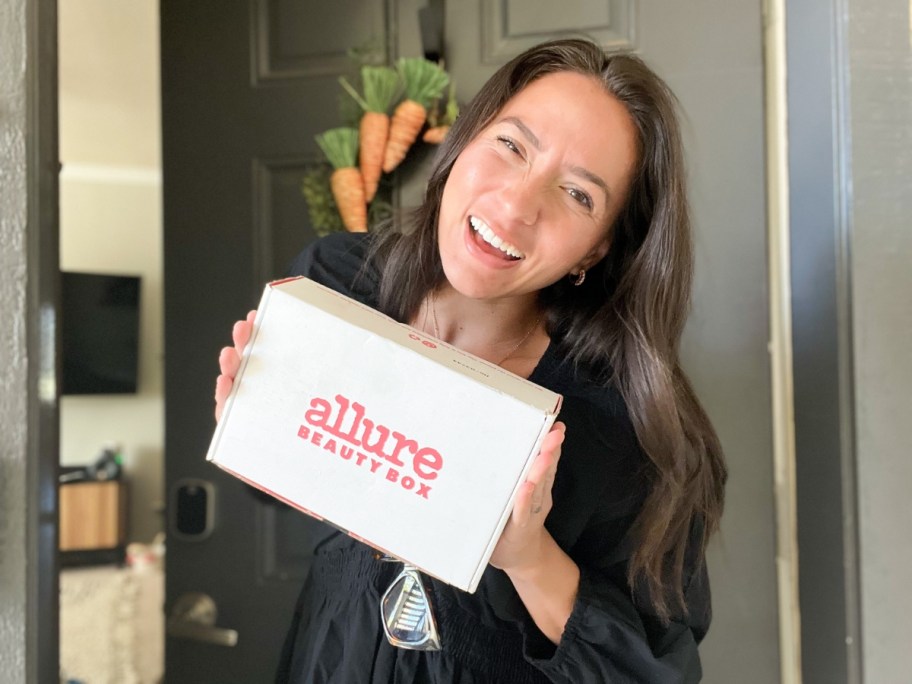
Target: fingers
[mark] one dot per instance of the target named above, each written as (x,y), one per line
(555,435)
(545,465)
(223,385)
(240,333)
(534,498)
(230,357)
(230,361)
(522,509)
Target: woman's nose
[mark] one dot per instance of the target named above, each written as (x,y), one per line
(521,200)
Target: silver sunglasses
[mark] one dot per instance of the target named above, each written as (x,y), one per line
(406,613)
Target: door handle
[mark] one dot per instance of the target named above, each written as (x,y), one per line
(193,616)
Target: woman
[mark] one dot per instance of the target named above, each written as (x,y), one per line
(554,240)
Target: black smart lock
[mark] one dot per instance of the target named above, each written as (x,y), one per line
(192,509)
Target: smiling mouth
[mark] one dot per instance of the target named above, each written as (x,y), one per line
(484,231)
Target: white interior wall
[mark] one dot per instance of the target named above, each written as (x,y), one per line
(110,222)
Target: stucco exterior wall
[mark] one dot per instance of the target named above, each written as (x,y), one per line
(13,359)
(880,68)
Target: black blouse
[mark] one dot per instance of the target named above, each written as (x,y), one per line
(611,636)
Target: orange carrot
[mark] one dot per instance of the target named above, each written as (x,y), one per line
(381,84)
(374,130)
(340,145)
(435,135)
(408,119)
(424,81)
(348,190)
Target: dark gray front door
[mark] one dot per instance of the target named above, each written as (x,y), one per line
(245,86)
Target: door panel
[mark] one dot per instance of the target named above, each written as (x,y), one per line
(710,53)
(245,88)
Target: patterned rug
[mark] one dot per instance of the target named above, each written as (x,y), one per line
(111,625)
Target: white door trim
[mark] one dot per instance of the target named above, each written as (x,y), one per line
(780,343)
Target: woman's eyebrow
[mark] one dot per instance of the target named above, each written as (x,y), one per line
(577,170)
(592,178)
(524,130)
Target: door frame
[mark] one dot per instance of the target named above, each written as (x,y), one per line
(780,345)
(820,242)
(42,640)
(823,412)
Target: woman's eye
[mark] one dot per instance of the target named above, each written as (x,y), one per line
(509,144)
(580,197)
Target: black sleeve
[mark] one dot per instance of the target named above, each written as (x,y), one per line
(338,262)
(612,634)
(609,637)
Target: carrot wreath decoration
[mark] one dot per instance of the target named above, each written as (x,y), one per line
(424,82)
(340,145)
(381,84)
(440,125)
(340,195)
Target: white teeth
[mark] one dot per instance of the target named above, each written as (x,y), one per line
(492,239)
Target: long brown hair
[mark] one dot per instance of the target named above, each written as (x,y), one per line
(626,321)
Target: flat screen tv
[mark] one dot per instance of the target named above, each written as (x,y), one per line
(99,333)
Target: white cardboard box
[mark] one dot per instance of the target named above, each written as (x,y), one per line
(401,440)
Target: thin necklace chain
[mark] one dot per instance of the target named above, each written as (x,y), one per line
(504,359)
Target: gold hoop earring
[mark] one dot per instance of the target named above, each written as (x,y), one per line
(579,278)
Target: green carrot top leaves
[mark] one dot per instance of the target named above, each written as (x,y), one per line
(450,112)
(424,80)
(381,85)
(340,145)
(452,107)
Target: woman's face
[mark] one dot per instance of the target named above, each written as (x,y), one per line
(532,197)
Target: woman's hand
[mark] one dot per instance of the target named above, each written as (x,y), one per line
(523,542)
(545,577)
(230,361)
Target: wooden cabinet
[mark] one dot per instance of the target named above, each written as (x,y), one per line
(92,515)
